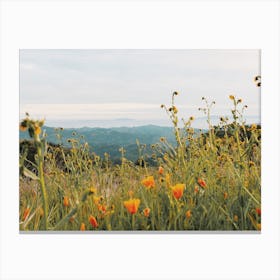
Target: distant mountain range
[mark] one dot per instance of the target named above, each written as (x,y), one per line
(110,140)
(199,122)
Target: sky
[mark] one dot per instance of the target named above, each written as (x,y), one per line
(75,88)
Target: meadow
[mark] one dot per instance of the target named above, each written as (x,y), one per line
(205,181)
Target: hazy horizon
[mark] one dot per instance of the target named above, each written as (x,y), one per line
(199,123)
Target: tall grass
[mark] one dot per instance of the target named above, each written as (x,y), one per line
(207,181)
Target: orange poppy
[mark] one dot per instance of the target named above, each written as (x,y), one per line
(201,182)
(93,221)
(102,208)
(83,227)
(178,190)
(132,205)
(66,201)
(258,211)
(22,127)
(225,195)
(188,214)
(146,212)
(160,170)
(149,182)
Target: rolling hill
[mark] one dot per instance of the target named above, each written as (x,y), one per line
(110,140)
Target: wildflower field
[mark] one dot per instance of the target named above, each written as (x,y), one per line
(207,181)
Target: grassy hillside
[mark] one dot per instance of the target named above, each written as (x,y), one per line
(206,181)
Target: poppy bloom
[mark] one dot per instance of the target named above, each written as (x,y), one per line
(160,170)
(258,211)
(178,190)
(83,227)
(66,201)
(102,208)
(225,195)
(201,182)
(149,182)
(132,205)
(93,221)
(26,213)
(196,188)
(146,212)
(188,214)
(22,127)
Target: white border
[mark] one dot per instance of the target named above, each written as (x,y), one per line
(157,24)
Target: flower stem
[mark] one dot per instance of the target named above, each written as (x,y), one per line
(42,184)
(132,222)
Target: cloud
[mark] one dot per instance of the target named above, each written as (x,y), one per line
(88,111)
(49,77)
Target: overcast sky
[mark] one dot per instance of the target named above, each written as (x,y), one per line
(117,84)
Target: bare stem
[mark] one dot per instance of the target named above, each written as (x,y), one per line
(42,184)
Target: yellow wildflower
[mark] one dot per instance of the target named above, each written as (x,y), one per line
(167,179)
(37,130)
